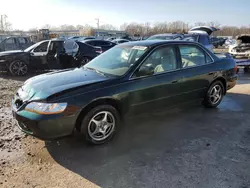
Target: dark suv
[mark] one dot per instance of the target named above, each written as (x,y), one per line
(200,38)
(15,43)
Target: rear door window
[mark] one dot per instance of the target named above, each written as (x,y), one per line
(10,41)
(22,40)
(192,56)
(103,43)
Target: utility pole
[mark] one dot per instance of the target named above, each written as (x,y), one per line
(2,23)
(98,25)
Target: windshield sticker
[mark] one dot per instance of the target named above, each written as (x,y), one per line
(139,48)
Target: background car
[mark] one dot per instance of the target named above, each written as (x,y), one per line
(166,36)
(47,55)
(201,34)
(104,44)
(15,43)
(242,47)
(130,78)
(119,41)
(79,38)
(111,38)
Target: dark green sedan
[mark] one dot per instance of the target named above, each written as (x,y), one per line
(130,78)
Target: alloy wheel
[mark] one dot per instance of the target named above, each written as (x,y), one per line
(101,125)
(19,68)
(215,94)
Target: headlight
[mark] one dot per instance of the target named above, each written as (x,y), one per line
(2,60)
(46,108)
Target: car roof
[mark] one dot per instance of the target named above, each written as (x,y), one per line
(168,34)
(152,43)
(95,40)
(57,39)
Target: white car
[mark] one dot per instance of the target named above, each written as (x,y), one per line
(242,47)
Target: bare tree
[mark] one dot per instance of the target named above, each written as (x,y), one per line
(107,27)
(46,26)
(6,26)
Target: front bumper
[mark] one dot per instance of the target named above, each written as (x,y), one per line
(240,54)
(45,127)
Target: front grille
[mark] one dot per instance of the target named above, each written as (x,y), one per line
(18,103)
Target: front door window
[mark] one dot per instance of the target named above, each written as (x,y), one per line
(160,61)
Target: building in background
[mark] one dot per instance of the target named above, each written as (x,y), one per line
(65,33)
(102,33)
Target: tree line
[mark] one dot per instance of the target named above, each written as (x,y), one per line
(145,29)
(148,29)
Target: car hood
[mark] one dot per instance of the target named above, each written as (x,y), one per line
(42,86)
(203,29)
(14,52)
(245,38)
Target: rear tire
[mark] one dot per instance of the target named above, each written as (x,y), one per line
(84,61)
(214,95)
(18,68)
(100,124)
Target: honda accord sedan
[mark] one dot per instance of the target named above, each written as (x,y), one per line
(130,78)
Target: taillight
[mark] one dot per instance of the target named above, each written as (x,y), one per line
(236,70)
(98,51)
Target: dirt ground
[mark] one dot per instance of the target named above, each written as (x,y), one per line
(182,147)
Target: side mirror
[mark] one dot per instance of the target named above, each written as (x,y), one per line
(32,54)
(145,71)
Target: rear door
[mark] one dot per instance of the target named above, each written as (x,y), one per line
(197,71)
(55,53)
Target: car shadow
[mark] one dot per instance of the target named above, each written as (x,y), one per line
(145,152)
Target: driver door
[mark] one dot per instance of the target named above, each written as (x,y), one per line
(38,56)
(160,84)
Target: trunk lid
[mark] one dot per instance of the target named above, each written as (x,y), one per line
(203,29)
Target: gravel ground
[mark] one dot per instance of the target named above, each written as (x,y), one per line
(182,147)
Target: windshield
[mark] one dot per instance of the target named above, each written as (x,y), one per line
(33,46)
(161,38)
(117,60)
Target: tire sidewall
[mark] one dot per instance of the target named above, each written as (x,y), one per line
(86,119)
(207,101)
(87,58)
(12,63)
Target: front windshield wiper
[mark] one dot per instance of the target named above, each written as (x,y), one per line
(97,71)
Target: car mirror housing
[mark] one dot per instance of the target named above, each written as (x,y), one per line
(145,71)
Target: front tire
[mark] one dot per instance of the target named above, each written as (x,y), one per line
(18,68)
(214,95)
(100,124)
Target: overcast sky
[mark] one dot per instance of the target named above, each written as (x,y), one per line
(25,14)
